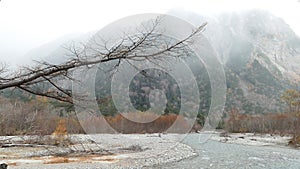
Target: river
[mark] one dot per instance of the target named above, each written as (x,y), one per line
(217,155)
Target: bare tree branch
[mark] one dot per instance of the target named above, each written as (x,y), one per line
(139,47)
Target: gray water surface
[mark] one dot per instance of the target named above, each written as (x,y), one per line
(217,155)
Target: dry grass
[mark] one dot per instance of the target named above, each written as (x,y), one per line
(57,160)
(82,159)
(12,164)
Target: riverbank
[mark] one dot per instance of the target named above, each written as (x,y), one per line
(98,151)
(252,139)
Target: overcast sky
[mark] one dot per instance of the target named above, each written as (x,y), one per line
(27,24)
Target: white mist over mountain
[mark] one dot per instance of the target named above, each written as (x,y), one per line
(25,25)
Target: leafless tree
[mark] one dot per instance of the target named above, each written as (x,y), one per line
(129,48)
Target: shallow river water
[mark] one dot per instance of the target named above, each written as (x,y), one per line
(217,155)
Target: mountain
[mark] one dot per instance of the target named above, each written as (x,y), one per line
(57,51)
(259,52)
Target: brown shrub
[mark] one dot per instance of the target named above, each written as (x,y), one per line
(38,117)
(274,123)
(166,123)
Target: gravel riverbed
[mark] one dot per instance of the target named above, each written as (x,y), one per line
(117,151)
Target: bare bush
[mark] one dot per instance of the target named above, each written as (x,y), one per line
(33,117)
(274,123)
(121,124)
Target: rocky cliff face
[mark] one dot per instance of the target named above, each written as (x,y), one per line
(260,54)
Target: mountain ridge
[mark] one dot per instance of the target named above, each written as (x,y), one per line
(260,54)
